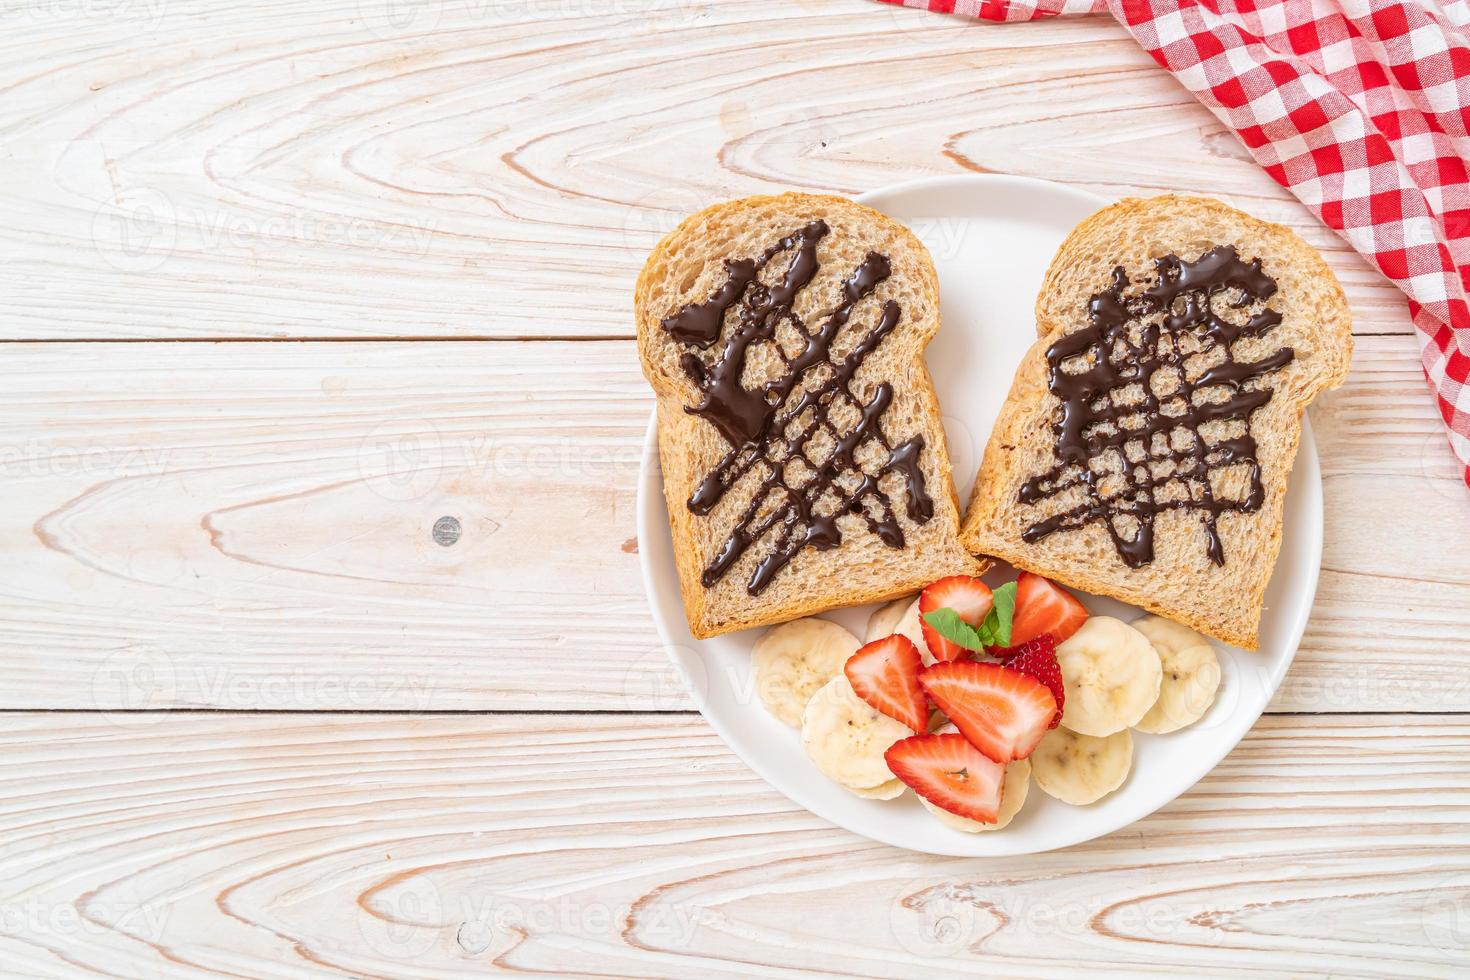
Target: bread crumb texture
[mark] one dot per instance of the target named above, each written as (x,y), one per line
(689,266)
(1181,582)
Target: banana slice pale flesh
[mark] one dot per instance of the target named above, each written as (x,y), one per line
(1191,675)
(885,621)
(846,737)
(1081,769)
(908,625)
(1111,676)
(890,790)
(793,661)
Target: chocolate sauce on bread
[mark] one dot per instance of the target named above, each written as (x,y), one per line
(771,428)
(1137,386)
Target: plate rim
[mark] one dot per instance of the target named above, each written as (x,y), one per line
(1305,477)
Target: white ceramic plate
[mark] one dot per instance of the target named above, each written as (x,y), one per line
(992,238)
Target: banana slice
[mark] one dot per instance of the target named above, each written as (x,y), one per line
(1012,797)
(1081,769)
(846,738)
(795,659)
(1191,675)
(890,790)
(885,621)
(1111,676)
(908,626)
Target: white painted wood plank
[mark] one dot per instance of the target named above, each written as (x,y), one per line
(444,847)
(499,168)
(249,526)
(1393,592)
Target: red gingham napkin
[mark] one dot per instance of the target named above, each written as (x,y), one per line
(1358,107)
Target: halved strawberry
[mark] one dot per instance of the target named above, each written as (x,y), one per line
(1042,606)
(1038,658)
(885,673)
(967,596)
(947,771)
(1002,712)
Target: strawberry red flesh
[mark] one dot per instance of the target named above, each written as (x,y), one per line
(885,673)
(1042,606)
(969,597)
(947,771)
(1002,712)
(1038,658)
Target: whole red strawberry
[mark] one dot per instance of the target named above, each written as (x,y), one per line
(1037,658)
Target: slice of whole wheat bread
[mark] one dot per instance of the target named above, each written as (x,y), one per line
(1033,504)
(865,302)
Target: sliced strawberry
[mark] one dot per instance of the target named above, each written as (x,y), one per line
(1038,658)
(885,673)
(967,596)
(1002,712)
(947,771)
(1042,606)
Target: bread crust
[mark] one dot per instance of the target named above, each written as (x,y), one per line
(680,435)
(1226,609)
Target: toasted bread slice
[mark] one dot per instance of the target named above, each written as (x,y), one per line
(1151,494)
(804,462)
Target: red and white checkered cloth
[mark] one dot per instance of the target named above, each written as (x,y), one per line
(1361,108)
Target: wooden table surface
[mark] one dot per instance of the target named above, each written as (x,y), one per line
(285,283)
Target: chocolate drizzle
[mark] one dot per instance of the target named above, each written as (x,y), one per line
(774,428)
(1139,385)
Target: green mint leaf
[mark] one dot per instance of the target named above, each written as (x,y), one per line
(1002,612)
(947,623)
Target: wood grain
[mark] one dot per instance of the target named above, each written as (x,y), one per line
(187,846)
(387,168)
(249,526)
